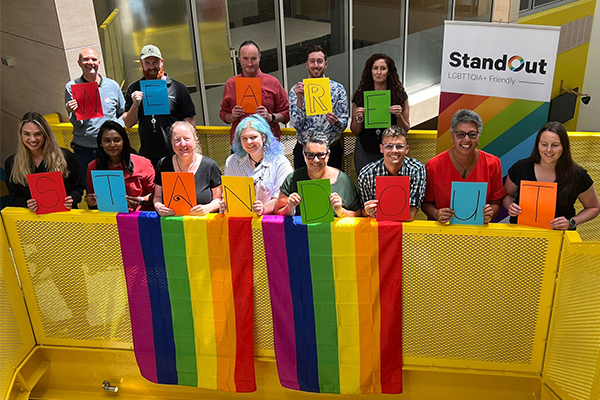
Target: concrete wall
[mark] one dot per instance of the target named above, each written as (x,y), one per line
(43,40)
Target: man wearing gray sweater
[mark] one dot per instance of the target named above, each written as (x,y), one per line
(113,105)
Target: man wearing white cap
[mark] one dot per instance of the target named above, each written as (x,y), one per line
(153,129)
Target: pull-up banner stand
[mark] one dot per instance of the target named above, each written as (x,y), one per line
(504,72)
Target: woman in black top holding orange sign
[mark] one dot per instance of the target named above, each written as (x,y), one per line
(551,161)
(380,73)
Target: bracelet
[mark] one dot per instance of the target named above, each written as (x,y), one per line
(360,121)
(142,201)
(272,118)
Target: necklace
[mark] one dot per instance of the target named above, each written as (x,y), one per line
(256,163)
(464,174)
(179,165)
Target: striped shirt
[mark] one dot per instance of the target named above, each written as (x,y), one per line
(268,176)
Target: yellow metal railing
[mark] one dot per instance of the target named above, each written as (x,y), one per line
(476,300)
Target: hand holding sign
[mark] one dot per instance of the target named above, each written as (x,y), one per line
(377,109)
(89,103)
(48,191)
(155,97)
(110,191)
(179,191)
(538,203)
(248,93)
(467,201)
(239,196)
(316,204)
(393,195)
(318,96)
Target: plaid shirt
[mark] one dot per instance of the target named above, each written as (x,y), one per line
(410,167)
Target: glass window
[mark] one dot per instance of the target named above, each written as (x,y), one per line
(131,24)
(310,23)
(378,28)
(425,42)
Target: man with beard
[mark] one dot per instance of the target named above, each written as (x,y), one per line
(153,129)
(85,131)
(331,124)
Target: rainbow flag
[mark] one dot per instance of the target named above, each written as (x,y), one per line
(336,295)
(189,282)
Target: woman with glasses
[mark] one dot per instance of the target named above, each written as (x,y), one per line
(551,161)
(115,153)
(344,199)
(38,151)
(188,158)
(463,162)
(379,73)
(259,155)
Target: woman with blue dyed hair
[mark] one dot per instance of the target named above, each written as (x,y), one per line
(259,155)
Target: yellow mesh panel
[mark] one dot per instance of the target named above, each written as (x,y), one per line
(16,337)
(477,298)
(72,274)
(572,366)
(585,150)
(263,318)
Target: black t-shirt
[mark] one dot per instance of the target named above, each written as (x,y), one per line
(154,135)
(370,138)
(206,177)
(523,170)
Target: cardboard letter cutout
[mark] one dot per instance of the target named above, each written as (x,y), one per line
(377,109)
(48,189)
(156,97)
(467,201)
(538,203)
(315,204)
(179,191)
(248,94)
(89,103)
(110,190)
(318,96)
(393,195)
(238,193)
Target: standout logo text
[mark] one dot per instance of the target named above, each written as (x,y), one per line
(515,63)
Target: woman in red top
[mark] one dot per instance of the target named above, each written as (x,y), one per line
(115,152)
(464,162)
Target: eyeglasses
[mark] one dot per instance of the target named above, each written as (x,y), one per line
(392,146)
(311,156)
(461,135)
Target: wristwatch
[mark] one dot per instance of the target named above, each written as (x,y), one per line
(572,224)
(272,117)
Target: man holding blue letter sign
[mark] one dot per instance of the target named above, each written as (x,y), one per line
(464,162)
(154,123)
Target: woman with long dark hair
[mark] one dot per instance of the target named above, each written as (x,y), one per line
(38,151)
(551,161)
(115,153)
(379,73)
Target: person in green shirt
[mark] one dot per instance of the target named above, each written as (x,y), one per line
(344,198)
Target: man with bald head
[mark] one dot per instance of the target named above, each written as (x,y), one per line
(113,105)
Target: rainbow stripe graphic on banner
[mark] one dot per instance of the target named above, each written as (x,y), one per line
(509,125)
(336,295)
(189,282)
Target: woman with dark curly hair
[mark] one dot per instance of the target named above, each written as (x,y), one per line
(380,73)
(551,161)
